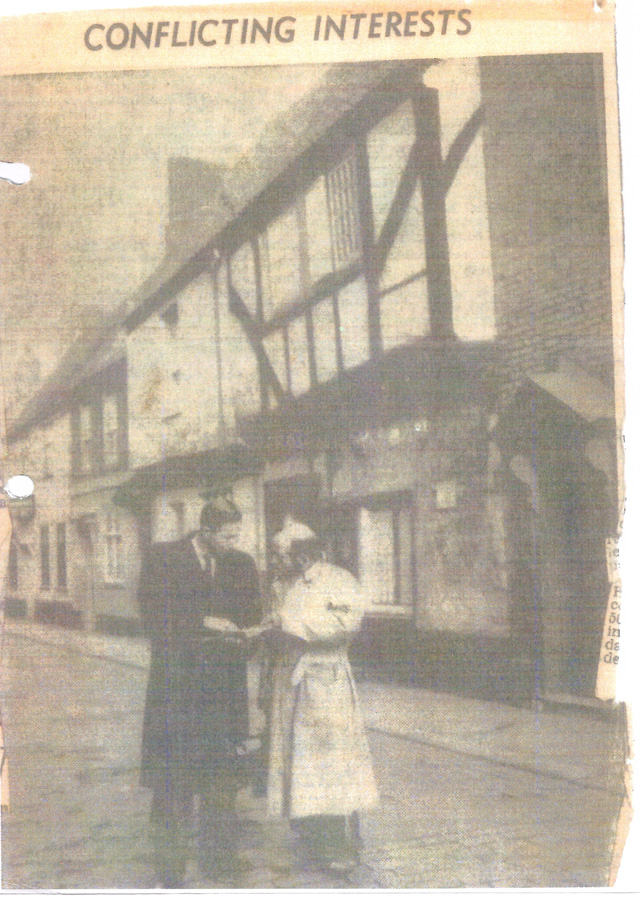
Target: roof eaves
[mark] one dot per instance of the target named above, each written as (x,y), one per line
(283,140)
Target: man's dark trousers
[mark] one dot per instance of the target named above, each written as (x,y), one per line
(196,710)
(173,822)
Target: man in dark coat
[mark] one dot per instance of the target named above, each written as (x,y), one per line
(195,596)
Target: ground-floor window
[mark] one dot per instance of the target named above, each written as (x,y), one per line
(14,573)
(61,556)
(373,538)
(45,558)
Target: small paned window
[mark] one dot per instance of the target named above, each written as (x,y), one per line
(343,212)
(114,562)
(110,431)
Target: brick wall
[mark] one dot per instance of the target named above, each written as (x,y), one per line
(546,185)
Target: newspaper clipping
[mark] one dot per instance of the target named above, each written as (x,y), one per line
(310,445)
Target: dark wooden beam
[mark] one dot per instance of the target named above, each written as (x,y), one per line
(367,237)
(268,377)
(257,268)
(460,147)
(427,115)
(324,287)
(322,155)
(213,277)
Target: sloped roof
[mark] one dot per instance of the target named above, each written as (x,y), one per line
(98,344)
(291,133)
(191,236)
(282,141)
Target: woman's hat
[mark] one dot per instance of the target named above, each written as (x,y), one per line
(291,534)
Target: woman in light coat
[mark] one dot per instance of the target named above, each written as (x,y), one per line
(320,770)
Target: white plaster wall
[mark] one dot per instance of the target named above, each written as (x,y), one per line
(173,380)
(458,86)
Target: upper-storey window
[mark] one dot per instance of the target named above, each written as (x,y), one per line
(170,316)
(14,566)
(343,212)
(86,443)
(99,434)
(280,263)
(110,430)
(377,253)
(318,235)
(243,274)
(331,219)
(114,566)
(403,290)
(45,557)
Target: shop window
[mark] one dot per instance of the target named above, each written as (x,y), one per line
(114,551)
(177,508)
(61,556)
(45,558)
(376,555)
(385,556)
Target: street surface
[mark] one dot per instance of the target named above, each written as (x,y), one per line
(78,819)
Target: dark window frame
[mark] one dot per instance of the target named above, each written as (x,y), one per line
(13,568)
(87,453)
(61,556)
(395,502)
(45,556)
(348,139)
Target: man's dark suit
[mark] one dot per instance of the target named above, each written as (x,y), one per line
(196,707)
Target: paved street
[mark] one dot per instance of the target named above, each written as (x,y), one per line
(448,818)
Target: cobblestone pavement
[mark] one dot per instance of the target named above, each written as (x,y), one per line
(78,818)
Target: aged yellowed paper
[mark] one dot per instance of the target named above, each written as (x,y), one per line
(312,351)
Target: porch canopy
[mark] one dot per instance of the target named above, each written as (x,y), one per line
(565,413)
(210,471)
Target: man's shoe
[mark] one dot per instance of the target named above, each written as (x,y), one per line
(171,883)
(342,864)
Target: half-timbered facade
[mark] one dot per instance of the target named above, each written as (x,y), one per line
(357,325)
(349,294)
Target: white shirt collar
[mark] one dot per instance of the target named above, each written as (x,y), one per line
(202,556)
